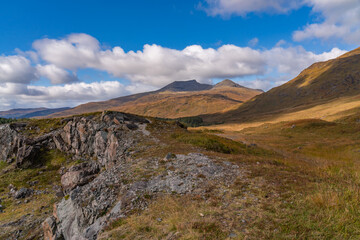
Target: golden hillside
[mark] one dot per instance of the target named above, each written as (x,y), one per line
(174,101)
(327,83)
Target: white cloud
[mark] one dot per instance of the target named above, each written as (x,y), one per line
(19,69)
(16,69)
(253,42)
(55,74)
(154,65)
(340,19)
(292,60)
(243,7)
(21,95)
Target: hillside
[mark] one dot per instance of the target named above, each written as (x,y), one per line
(29,112)
(178,99)
(321,83)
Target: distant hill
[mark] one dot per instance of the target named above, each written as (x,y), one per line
(185,86)
(178,99)
(29,112)
(321,83)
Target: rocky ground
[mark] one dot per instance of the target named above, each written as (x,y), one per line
(74,178)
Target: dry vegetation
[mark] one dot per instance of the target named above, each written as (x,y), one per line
(325,204)
(171,104)
(301,181)
(35,209)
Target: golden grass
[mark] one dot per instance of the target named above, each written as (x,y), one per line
(330,111)
(325,204)
(169,216)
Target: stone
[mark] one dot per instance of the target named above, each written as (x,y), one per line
(49,228)
(232,235)
(169,156)
(23,193)
(79,175)
(132,126)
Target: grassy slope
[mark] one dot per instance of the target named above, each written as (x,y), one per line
(326,204)
(300,182)
(171,104)
(45,172)
(39,206)
(321,83)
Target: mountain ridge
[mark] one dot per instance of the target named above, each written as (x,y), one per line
(177,99)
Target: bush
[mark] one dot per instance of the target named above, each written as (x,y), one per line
(6,120)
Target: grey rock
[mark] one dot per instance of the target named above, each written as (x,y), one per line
(232,235)
(23,193)
(169,156)
(89,207)
(50,230)
(79,175)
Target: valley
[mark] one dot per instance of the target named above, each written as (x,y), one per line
(274,165)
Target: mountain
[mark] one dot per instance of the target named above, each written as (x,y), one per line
(185,86)
(321,83)
(29,112)
(178,99)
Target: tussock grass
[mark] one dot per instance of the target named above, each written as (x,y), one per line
(169,216)
(215,143)
(38,127)
(45,174)
(325,204)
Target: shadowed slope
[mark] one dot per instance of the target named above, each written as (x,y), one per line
(321,83)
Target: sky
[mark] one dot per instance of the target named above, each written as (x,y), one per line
(64,53)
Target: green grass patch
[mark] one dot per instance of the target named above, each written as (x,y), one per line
(38,127)
(7,120)
(3,165)
(217,144)
(47,175)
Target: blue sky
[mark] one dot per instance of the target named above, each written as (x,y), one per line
(62,53)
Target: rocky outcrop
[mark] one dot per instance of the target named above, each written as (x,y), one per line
(107,183)
(104,138)
(115,193)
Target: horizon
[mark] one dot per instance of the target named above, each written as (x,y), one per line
(54,55)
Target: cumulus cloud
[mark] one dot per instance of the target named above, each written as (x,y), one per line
(243,7)
(154,65)
(19,69)
(55,74)
(337,19)
(16,69)
(22,95)
(294,59)
(340,19)
(148,69)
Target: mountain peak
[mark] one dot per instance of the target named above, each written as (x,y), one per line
(227,83)
(185,86)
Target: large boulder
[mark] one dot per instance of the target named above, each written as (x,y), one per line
(79,175)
